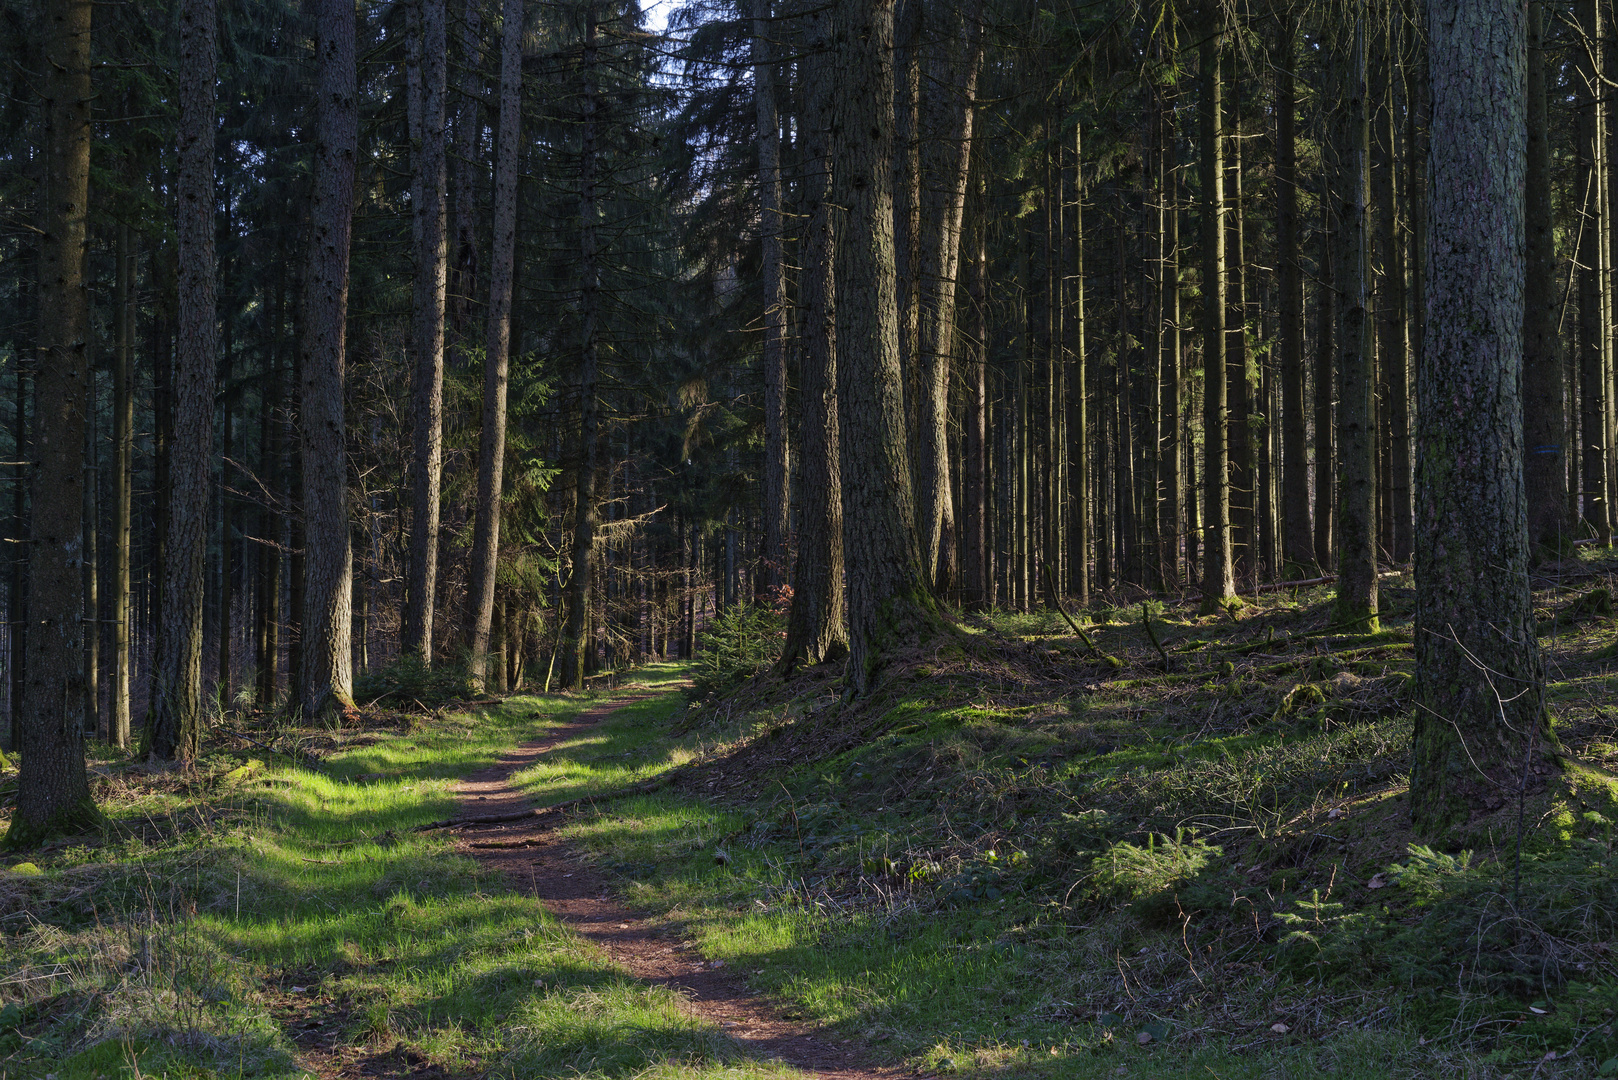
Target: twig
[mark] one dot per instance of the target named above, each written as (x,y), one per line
(1146,621)
(1056,601)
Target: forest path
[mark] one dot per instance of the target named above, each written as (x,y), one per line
(542,864)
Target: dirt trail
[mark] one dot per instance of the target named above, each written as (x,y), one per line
(539,862)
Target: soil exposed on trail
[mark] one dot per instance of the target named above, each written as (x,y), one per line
(539,862)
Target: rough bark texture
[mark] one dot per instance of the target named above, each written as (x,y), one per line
(772,569)
(1298,545)
(815,630)
(889,601)
(426,73)
(1218,578)
(175,716)
(1356,416)
(1545,429)
(497,352)
(327,674)
(53,791)
(954,54)
(1482,733)
(123,446)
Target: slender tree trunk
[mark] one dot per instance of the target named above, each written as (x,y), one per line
(1356,465)
(975,578)
(492,442)
(1482,730)
(1243,485)
(890,602)
(1170,469)
(1545,429)
(1326,391)
(327,662)
(19,560)
(1078,401)
(92,606)
(224,595)
(1298,544)
(463,255)
(1591,331)
(53,791)
(123,439)
(815,630)
(177,685)
(1393,317)
(427,79)
(776,504)
(1218,578)
(584,506)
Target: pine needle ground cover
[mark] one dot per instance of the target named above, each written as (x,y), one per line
(256,916)
(1073,862)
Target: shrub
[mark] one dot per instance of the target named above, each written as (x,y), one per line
(408,680)
(740,642)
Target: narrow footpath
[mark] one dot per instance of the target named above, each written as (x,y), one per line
(540,863)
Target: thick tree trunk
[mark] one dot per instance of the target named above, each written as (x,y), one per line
(1218,578)
(815,631)
(123,443)
(497,352)
(1298,543)
(954,56)
(1482,732)
(426,73)
(1545,427)
(776,500)
(53,791)
(325,657)
(890,602)
(1356,607)
(584,501)
(177,684)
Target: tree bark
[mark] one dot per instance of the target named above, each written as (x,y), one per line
(815,631)
(53,791)
(326,660)
(890,603)
(1482,731)
(175,716)
(1356,607)
(497,352)
(1078,404)
(1298,542)
(776,499)
(1545,428)
(1218,578)
(1591,331)
(123,440)
(426,75)
(975,578)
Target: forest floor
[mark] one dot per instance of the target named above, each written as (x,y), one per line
(1042,862)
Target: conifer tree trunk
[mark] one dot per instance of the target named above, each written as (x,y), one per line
(92,606)
(1393,318)
(1545,427)
(1298,543)
(1482,730)
(1218,578)
(975,579)
(1326,389)
(325,658)
(267,650)
(584,490)
(463,252)
(1243,478)
(1170,470)
(1356,606)
(123,439)
(53,791)
(175,724)
(955,54)
(1078,403)
(890,603)
(19,560)
(427,81)
(1593,390)
(497,352)
(815,631)
(776,505)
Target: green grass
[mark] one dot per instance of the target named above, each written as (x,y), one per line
(290,896)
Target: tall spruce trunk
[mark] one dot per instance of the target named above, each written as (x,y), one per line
(954,56)
(1078,493)
(426,73)
(584,488)
(815,632)
(326,661)
(976,588)
(1218,577)
(53,790)
(1593,390)
(497,351)
(1482,732)
(776,501)
(463,250)
(123,460)
(1297,547)
(890,604)
(1326,388)
(176,712)
(1356,607)
(1545,427)
(1393,317)
(91,614)
(1243,477)
(1170,468)
(267,635)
